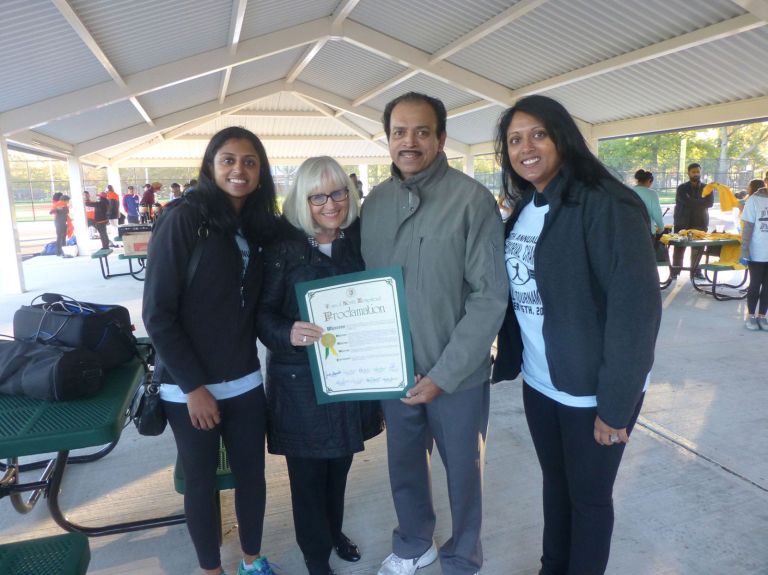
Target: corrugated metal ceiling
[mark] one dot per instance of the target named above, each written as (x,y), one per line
(698,77)
(427,25)
(133,42)
(262,71)
(182,96)
(42,59)
(564,35)
(92,124)
(348,70)
(265,16)
(41,56)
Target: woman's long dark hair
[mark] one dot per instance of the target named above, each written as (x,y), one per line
(259,213)
(580,163)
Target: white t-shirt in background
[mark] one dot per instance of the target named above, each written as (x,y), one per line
(756,212)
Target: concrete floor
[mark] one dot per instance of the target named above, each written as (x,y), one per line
(691,497)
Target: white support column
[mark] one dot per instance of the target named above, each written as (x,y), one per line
(77,211)
(113,177)
(363,177)
(12,276)
(469,165)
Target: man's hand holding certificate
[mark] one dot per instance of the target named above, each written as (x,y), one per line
(364,350)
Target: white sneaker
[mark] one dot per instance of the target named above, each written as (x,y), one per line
(752,324)
(394,565)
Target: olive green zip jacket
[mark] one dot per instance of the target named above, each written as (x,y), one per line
(444,229)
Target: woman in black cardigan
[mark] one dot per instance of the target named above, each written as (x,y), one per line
(581,323)
(318,237)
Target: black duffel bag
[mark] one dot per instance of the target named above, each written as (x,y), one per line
(48,372)
(61,320)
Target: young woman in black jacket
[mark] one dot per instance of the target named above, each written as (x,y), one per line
(318,237)
(581,324)
(204,274)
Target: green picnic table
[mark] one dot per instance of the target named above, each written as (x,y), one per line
(31,427)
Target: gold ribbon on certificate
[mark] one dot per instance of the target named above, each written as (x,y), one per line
(328,341)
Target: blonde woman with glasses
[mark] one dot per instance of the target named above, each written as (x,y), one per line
(318,237)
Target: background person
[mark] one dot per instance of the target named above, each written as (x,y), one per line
(100,219)
(131,205)
(581,323)
(443,228)
(691,213)
(650,198)
(113,210)
(754,252)
(319,237)
(89,216)
(204,331)
(60,212)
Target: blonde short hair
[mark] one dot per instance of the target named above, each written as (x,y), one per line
(313,174)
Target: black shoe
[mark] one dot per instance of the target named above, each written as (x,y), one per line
(346,549)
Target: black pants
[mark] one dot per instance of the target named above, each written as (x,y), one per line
(61,238)
(758,288)
(242,428)
(678,253)
(578,484)
(317,495)
(101,227)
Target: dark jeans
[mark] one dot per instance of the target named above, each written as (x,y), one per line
(133,219)
(101,227)
(242,428)
(758,288)
(578,484)
(317,495)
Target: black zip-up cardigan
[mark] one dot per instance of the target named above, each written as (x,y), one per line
(596,275)
(205,333)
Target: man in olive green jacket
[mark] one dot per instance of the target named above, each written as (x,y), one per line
(444,229)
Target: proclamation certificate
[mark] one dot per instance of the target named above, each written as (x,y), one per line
(365,351)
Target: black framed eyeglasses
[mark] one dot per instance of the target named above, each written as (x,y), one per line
(335,195)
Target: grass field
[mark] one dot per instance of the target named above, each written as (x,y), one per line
(29,212)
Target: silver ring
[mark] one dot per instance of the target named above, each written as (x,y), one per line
(304,339)
(613,437)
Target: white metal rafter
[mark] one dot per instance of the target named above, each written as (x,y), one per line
(77,25)
(235,29)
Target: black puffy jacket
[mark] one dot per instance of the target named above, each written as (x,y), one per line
(297,425)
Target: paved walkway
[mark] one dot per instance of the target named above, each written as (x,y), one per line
(691,498)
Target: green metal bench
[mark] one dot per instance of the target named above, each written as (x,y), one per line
(224,480)
(713,286)
(66,554)
(102,255)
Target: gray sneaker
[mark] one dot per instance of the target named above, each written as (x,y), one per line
(752,324)
(394,565)
(763,323)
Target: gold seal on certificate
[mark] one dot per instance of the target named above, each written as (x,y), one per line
(365,351)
